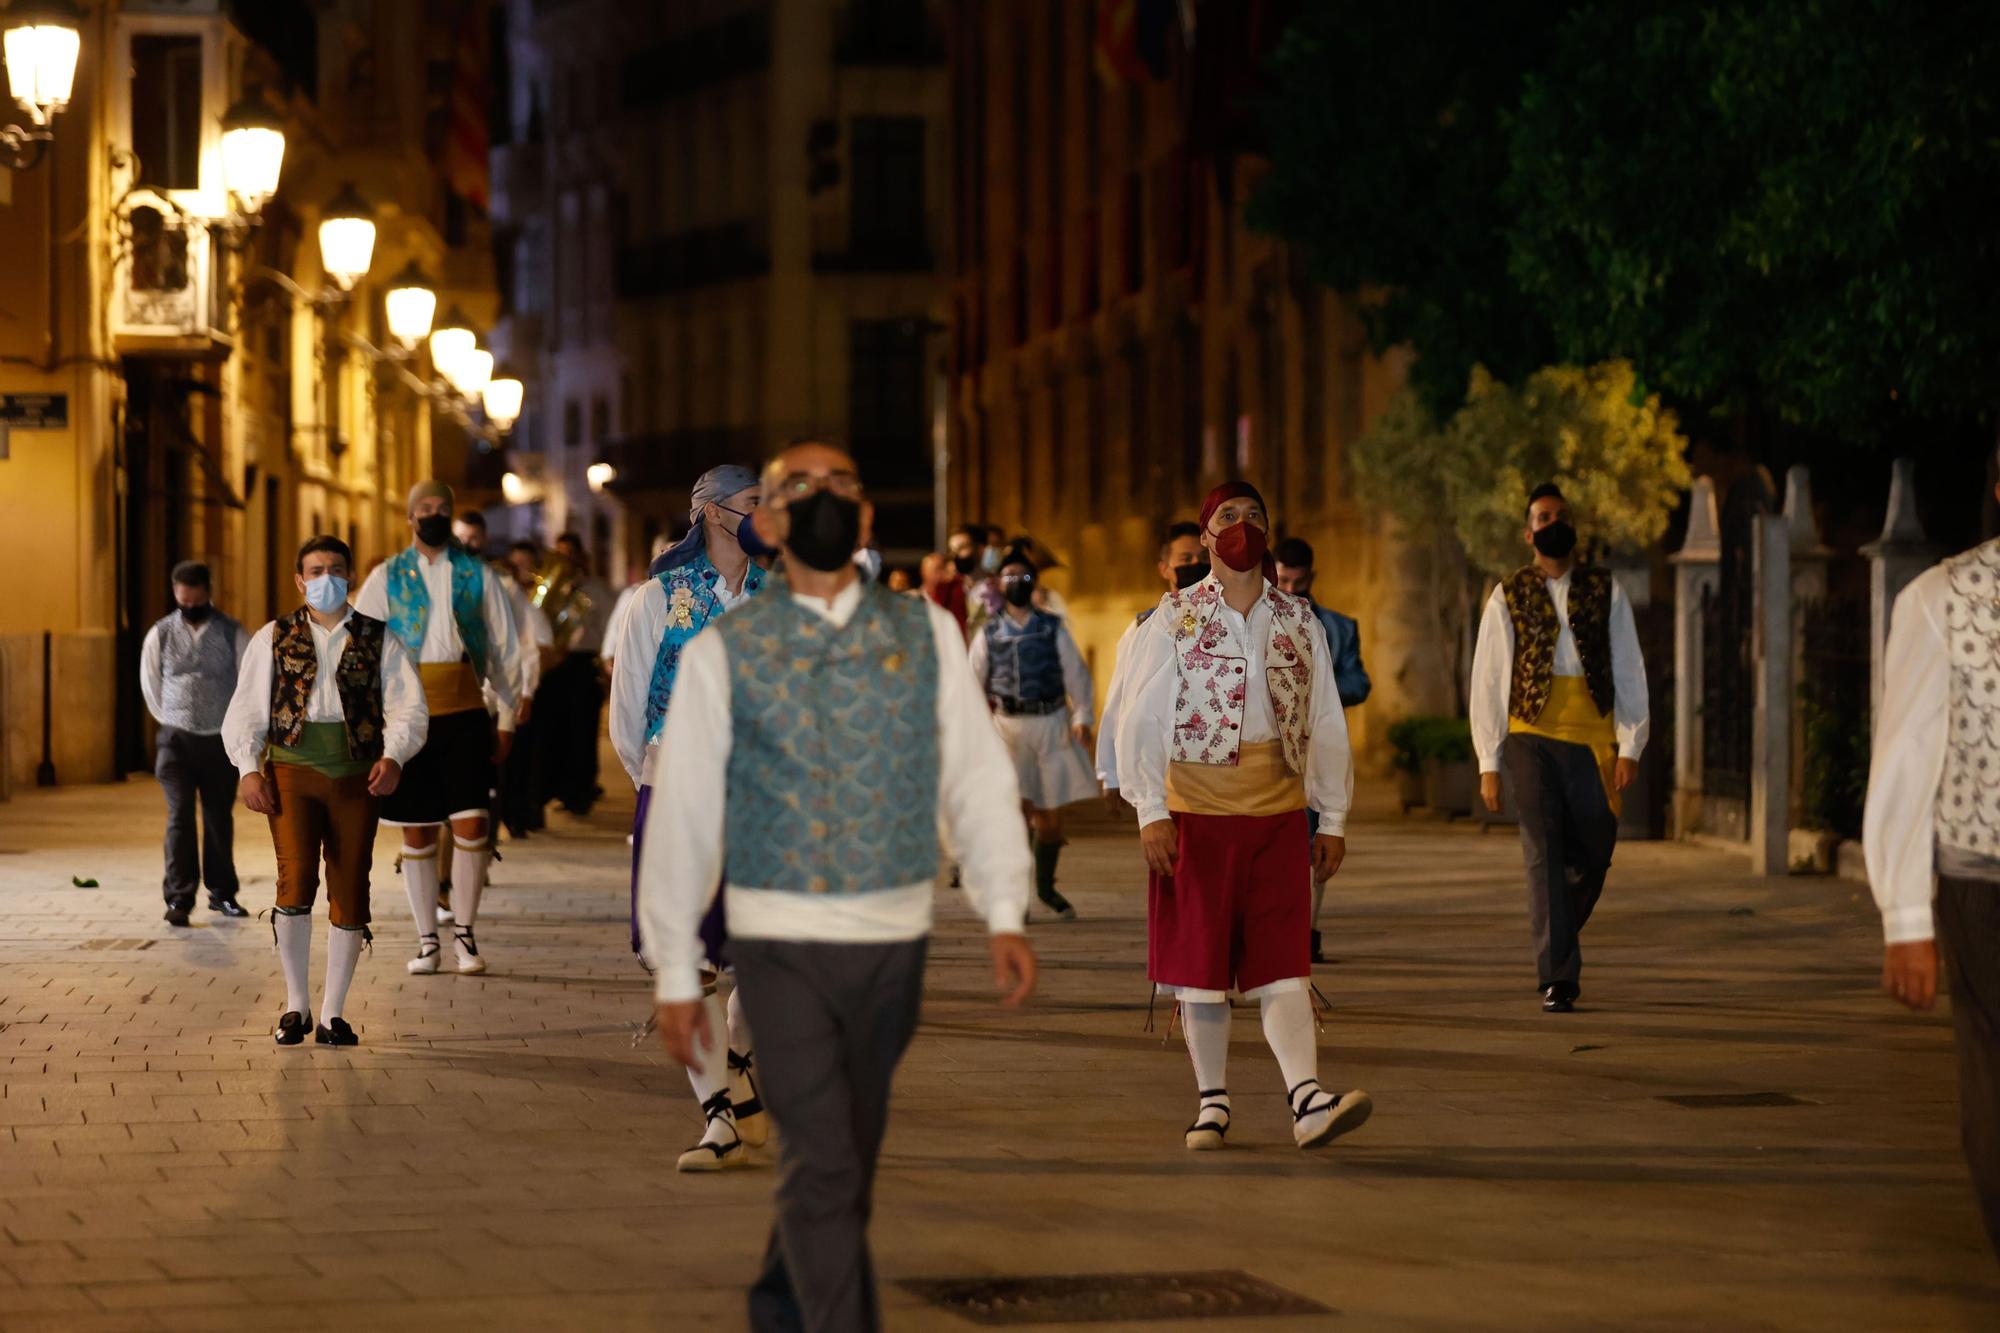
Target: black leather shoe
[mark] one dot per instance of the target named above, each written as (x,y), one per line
(292,1027)
(227,906)
(1555,1000)
(1318,957)
(335,1032)
(177,915)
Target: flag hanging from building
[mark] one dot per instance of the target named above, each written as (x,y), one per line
(468,143)
(1132,39)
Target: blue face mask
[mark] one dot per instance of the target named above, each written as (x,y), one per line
(746,534)
(326,593)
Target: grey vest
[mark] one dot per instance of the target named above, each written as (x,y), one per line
(197,676)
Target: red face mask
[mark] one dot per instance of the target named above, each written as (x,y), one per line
(1241,546)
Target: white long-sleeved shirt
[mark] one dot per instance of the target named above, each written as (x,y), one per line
(632,662)
(531,628)
(1493,673)
(1107,722)
(614,630)
(979,817)
(1912,733)
(441,642)
(1075,672)
(1146,720)
(247,727)
(151,669)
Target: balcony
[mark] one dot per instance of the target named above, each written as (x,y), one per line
(708,255)
(696,60)
(671,460)
(888,32)
(841,247)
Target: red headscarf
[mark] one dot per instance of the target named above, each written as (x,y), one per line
(1240,490)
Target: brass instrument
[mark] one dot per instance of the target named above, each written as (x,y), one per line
(558,594)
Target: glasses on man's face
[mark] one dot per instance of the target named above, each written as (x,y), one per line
(1008,579)
(799,485)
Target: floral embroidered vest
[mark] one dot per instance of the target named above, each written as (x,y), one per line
(410,602)
(358,676)
(833,770)
(1537,626)
(691,604)
(1968,804)
(1208,705)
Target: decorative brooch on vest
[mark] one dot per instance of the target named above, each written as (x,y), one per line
(358,676)
(1537,626)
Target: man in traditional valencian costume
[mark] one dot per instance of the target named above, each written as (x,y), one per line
(1232,728)
(1034,677)
(1559,696)
(1183,563)
(821,739)
(705,575)
(1932,829)
(327,710)
(451,612)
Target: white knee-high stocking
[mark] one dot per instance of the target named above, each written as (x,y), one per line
(1288,1026)
(739,1024)
(710,1076)
(294,932)
(1207,1029)
(343,951)
(468,877)
(420,880)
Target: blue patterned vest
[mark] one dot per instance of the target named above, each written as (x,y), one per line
(410,602)
(1022,662)
(691,604)
(833,774)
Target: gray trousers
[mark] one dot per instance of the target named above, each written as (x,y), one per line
(1968,920)
(832,1020)
(1567,836)
(190,767)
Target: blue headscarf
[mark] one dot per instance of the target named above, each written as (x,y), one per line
(713,486)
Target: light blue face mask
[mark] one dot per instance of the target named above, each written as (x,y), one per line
(327,593)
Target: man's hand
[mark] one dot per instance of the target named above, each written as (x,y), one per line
(1489,791)
(1626,774)
(1114,804)
(1329,850)
(1910,972)
(683,1026)
(1013,966)
(1080,733)
(1161,845)
(257,794)
(503,744)
(524,708)
(382,778)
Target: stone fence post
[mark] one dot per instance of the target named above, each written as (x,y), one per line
(1697,572)
(1771,731)
(1894,561)
(1810,558)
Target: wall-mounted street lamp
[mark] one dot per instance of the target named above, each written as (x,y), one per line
(473,373)
(42,39)
(450,341)
(600,475)
(253,153)
(502,399)
(347,238)
(515,489)
(410,306)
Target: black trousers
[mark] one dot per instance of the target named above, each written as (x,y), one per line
(1968,920)
(191,768)
(572,704)
(521,776)
(1567,836)
(832,1021)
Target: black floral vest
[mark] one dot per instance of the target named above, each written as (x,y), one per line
(294,664)
(1536,627)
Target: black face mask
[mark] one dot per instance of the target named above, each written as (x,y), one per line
(1186,576)
(1018,594)
(965,563)
(194,615)
(825,528)
(434,529)
(1555,541)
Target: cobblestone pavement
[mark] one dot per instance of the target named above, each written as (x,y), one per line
(498,1154)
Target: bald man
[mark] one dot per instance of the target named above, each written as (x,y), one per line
(452,614)
(830,850)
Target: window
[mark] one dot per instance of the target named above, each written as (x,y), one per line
(886,196)
(600,420)
(166,110)
(885,399)
(572,423)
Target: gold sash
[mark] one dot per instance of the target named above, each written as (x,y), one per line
(450,687)
(1259,783)
(1571,715)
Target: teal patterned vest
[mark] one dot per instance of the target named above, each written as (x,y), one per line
(833,774)
(410,602)
(691,604)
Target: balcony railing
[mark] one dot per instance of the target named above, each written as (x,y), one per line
(726,253)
